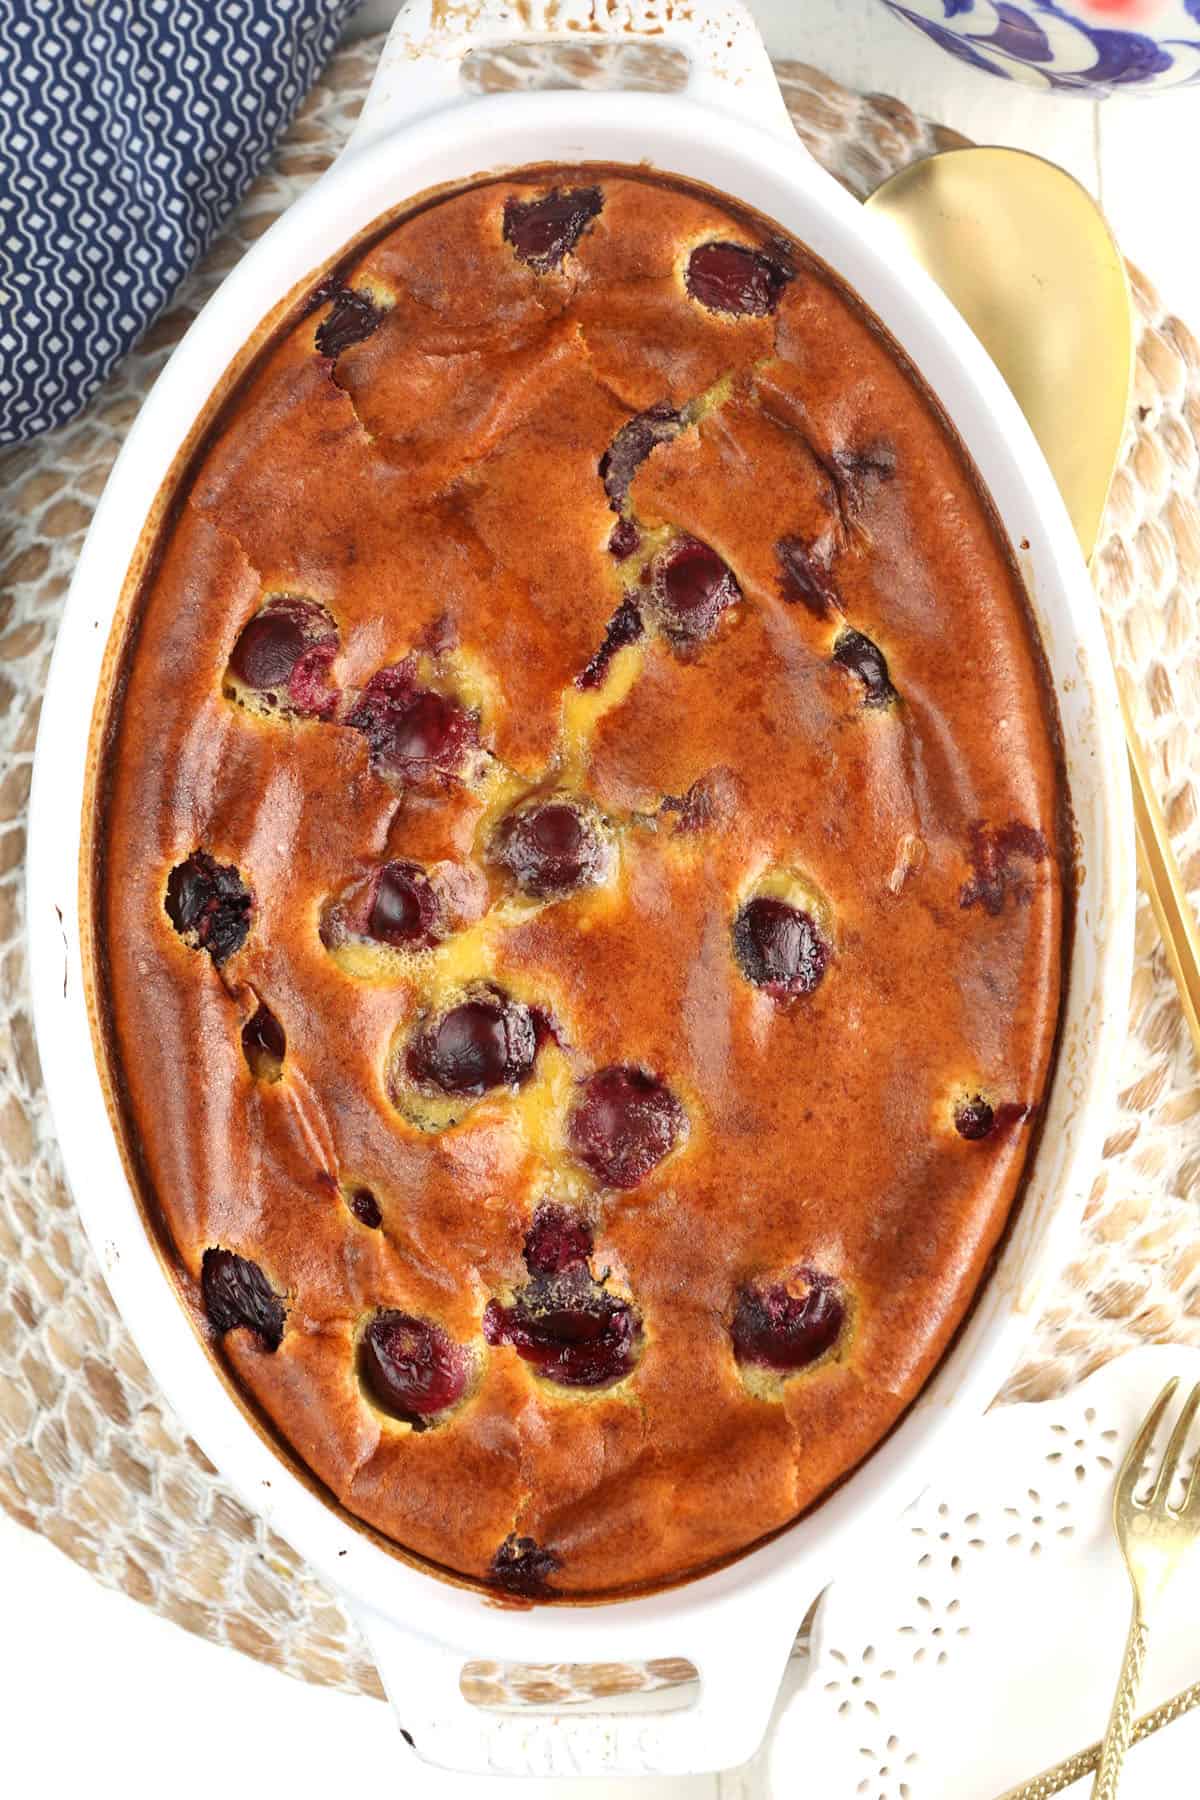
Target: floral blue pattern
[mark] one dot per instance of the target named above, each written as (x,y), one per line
(1061,44)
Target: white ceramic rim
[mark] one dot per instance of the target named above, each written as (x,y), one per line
(774,1584)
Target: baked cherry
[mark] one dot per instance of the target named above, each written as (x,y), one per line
(431,736)
(209,904)
(481,1044)
(268,648)
(975,1118)
(236,1293)
(410,1368)
(624,539)
(264,1043)
(551,847)
(790,1324)
(623,1125)
(412,732)
(351,318)
(857,652)
(286,650)
(632,445)
(397,905)
(309,691)
(625,627)
(557,1240)
(365,1208)
(779,947)
(570,1329)
(806,576)
(692,586)
(522,1567)
(731,278)
(404,907)
(1001,856)
(543,232)
(711,800)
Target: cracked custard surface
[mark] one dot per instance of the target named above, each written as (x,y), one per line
(581,899)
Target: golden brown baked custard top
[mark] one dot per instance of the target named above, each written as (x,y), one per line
(581,899)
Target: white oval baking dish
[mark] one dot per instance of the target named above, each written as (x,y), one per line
(728,128)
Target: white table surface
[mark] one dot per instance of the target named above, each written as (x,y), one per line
(95,1690)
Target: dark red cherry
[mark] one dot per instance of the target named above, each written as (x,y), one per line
(209,904)
(692,588)
(287,648)
(1002,857)
(975,1119)
(712,800)
(806,574)
(236,1292)
(433,733)
(856,652)
(632,445)
(625,627)
(410,1368)
(309,690)
(479,1045)
(569,1329)
(624,539)
(404,908)
(264,1043)
(365,1208)
(557,1240)
(268,649)
(623,1124)
(351,318)
(731,278)
(779,947)
(790,1324)
(521,1567)
(551,848)
(412,732)
(543,232)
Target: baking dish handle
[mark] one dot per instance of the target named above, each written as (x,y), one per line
(740,1670)
(419,69)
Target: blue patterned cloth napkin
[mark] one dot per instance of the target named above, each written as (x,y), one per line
(129,130)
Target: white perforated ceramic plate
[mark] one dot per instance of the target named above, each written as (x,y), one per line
(980,1638)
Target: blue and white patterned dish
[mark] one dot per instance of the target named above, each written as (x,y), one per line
(1089,47)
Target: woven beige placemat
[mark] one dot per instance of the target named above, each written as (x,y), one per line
(90,1453)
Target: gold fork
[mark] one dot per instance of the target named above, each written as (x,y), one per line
(1153,1541)
(1154,1538)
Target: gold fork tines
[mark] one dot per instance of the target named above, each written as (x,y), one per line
(1154,1537)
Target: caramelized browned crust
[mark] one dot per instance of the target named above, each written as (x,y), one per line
(436,489)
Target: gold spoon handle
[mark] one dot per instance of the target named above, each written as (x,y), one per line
(1084,1762)
(1162,880)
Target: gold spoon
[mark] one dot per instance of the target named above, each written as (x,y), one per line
(1028,259)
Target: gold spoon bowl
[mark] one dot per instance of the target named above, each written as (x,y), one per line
(1026,256)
